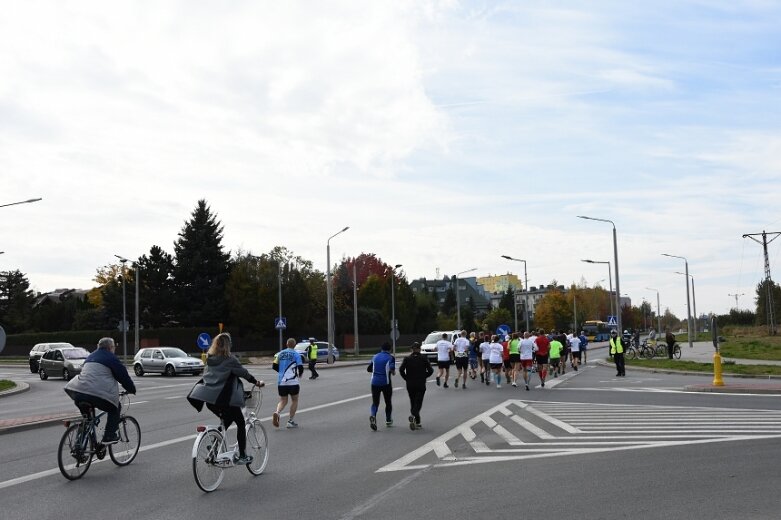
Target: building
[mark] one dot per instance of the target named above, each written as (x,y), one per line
(500,283)
(471,291)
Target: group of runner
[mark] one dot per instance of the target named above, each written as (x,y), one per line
(494,358)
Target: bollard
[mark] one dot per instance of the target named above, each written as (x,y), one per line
(717,380)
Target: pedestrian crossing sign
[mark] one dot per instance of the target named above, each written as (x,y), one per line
(611,321)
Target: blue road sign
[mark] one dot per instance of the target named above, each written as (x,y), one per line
(503,330)
(611,321)
(280,323)
(203,341)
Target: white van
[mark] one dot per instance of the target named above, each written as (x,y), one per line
(429,346)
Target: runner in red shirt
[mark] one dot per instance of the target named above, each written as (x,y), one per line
(542,344)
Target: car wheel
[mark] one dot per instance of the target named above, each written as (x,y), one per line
(43,374)
(33,366)
(66,375)
(138,369)
(170,371)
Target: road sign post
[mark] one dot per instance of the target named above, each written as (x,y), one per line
(203,342)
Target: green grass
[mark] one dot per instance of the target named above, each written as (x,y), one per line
(768,347)
(5,384)
(693,366)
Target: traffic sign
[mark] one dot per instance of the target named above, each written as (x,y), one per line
(203,341)
(503,330)
(280,323)
(395,334)
(611,321)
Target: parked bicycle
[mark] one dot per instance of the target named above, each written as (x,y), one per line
(212,453)
(644,350)
(79,444)
(661,350)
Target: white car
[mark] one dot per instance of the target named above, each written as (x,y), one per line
(429,346)
(168,361)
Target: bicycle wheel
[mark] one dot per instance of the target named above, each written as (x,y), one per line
(123,452)
(661,350)
(677,352)
(257,446)
(208,474)
(73,458)
(648,352)
(631,353)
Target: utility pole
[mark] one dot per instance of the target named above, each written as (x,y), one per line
(771,318)
(736,299)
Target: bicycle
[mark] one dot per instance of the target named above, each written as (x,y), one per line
(212,454)
(661,350)
(79,444)
(635,351)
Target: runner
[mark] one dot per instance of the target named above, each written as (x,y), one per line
(382,367)
(485,355)
(444,348)
(554,355)
(496,360)
(564,349)
(583,346)
(526,356)
(574,345)
(461,350)
(474,355)
(506,366)
(515,358)
(543,348)
(290,366)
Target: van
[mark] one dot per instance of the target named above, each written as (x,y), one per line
(429,345)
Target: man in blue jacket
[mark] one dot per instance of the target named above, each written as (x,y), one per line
(97,385)
(382,367)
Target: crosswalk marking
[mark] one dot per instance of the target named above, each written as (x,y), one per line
(517,429)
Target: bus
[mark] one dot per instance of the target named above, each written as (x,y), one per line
(596,330)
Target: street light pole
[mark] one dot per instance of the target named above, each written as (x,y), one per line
(615,263)
(610,281)
(137,327)
(279,284)
(28,201)
(458,297)
(356,348)
(688,304)
(394,327)
(694,302)
(329,291)
(124,260)
(658,315)
(525,291)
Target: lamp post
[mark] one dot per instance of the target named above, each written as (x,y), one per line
(610,281)
(688,304)
(525,292)
(136,329)
(124,261)
(356,348)
(394,325)
(694,301)
(458,297)
(658,315)
(28,201)
(329,292)
(615,263)
(279,291)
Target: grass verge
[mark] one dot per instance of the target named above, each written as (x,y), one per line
(5,384)
(693,366)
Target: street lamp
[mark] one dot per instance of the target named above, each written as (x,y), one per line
(356,348)
(694,301)
(525,293)
(658,315)
(610,281)
(394,325)
(329,293)
(124,309)
(615,263)
(458,297)
(28,201)
(688,304)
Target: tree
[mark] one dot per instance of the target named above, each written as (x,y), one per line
(508,300)
(764,288)
(157,287)
(495,318)
(201,269)
(425,312)
(553,311)
(449,305)
(16,301)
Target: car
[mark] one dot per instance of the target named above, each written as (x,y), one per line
(168,361)
(39,350)
(429,345)
(64,362)
(322,351)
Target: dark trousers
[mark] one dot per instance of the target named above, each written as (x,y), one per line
(387,393)
(312,363)
(619,359)
(670,347)
(112,412)
(416,394)
(230,415)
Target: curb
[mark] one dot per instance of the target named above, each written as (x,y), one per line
(29,423)
(731,389)
(18,389)
(687,372)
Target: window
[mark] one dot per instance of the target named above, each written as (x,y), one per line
(158,355)
(147,354)
(57,355)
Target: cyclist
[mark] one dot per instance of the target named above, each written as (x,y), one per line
(97,385)
(222,390)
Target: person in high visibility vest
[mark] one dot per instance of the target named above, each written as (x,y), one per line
(311,351)
(617,351)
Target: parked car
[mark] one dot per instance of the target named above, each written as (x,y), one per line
(64,362)
(429,346)
(168,361)
(322,351)
(39,350)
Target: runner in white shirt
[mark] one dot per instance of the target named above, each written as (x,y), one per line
(574,345)
(485,354)
(527,357)
(495,358)
(444,348)
(461,349)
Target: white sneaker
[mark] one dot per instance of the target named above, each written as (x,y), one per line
(291,424)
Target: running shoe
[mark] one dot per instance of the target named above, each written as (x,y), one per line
(527,387)
(389,423)
(437,381)
(498,385)
(411,423)
(373,423)
(445,385)
(463,386)
(456,383)
(291,424)
(514,384)
(275,419)
(244,460)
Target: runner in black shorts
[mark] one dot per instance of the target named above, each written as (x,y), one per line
(288,390)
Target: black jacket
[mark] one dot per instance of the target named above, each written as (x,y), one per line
(415,369)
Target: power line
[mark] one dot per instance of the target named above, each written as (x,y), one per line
(771,319)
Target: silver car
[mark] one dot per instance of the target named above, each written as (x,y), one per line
(64,362)
(322,351)
(168,361)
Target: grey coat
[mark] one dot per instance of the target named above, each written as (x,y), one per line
(221,371)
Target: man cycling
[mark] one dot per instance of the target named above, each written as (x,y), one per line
(97,385)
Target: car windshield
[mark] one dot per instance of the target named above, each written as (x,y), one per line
(174,352)
(75,353)
(432,338)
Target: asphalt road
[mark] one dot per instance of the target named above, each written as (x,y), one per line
(588,446)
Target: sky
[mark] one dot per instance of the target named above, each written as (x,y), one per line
(443,133)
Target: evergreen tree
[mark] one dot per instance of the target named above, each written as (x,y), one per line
(201,269)
(508,300)
(157,287)
(762,299)
(16,300)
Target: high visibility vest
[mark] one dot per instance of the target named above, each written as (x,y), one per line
(616,347)
(312,352)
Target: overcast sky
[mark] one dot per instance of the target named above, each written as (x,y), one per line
(444,133)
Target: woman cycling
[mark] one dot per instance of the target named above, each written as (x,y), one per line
(222,390)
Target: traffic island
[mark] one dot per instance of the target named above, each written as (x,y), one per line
(736,389)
